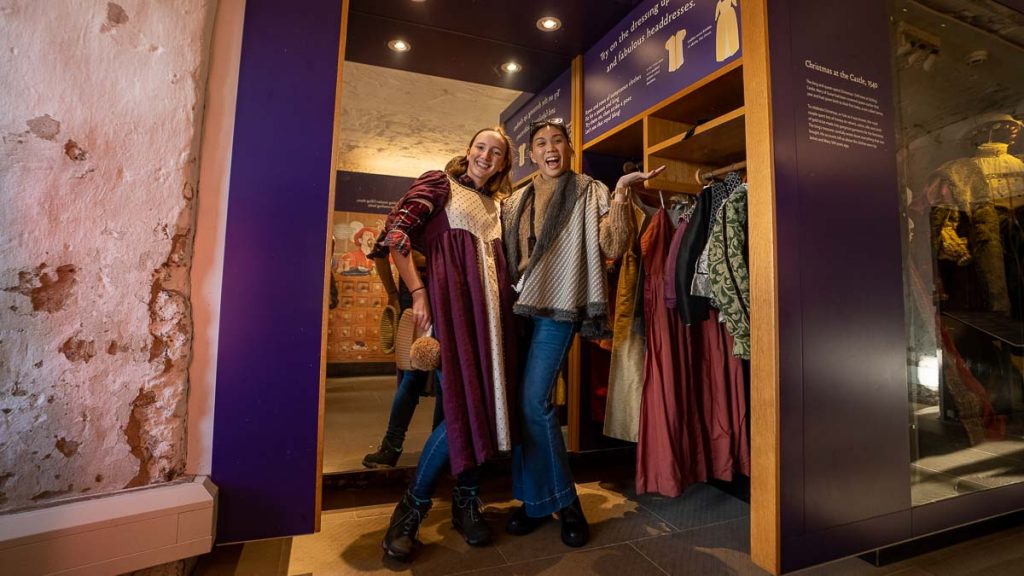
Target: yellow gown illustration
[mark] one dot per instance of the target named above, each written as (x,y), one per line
(727,31)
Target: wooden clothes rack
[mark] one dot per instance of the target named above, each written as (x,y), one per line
(703,176)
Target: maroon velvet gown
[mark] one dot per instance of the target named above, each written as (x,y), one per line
(458,230)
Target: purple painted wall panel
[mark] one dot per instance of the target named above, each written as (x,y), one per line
(845,450)
(268,362)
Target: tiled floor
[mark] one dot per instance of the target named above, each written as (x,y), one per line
(705,532)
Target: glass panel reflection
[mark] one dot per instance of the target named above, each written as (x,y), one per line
(960,95)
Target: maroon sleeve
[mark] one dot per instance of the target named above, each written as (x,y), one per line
(425,197)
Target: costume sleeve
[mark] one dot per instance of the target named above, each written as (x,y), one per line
(615,228)
(947,244)
(425,197)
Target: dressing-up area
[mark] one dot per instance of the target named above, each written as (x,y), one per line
(742,281)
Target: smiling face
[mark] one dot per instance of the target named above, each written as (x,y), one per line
(486,156)
(550,151)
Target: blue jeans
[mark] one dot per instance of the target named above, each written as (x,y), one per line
(407,397)
(434,461)
(541,478)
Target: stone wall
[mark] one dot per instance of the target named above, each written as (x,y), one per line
(100,122)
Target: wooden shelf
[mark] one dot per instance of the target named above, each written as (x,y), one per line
(718,142)
(712,96)
(626,140)
(714,104)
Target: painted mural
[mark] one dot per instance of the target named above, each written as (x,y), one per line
(353,326)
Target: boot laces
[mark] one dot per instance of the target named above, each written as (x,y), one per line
(411,522)
(473,505)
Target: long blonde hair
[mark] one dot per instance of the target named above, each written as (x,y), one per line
(500,184)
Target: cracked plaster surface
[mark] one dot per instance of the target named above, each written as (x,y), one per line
(402,123)
(100,138)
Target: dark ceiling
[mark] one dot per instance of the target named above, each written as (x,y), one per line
(469,39)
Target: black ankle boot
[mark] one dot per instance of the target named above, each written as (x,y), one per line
(467,518)
(384,457)
(400,540)
(575,530)
(519,524)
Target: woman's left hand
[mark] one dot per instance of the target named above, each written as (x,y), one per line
(633,178)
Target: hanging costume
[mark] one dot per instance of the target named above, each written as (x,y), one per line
(693,422)
(976,217)
(727,263)
(626,371)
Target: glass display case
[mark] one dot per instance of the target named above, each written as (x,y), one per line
(960,98)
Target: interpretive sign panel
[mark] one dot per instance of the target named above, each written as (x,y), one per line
(662,47)
(555,101)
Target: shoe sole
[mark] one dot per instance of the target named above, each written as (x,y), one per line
(375,465)
(406,558)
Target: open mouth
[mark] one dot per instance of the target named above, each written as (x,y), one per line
(553,162)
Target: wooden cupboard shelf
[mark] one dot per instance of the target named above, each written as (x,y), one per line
(714,104)
(718,142)
(712,96)
(626,140)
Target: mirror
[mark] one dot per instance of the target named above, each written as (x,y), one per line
(395,125)
(407,108)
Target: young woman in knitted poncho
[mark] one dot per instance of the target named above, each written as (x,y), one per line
(558,230)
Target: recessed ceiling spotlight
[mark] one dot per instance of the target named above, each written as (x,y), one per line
(549,24)
(419,1)
(399,46)
(511,67)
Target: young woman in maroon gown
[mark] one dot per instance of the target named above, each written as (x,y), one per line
(464,293)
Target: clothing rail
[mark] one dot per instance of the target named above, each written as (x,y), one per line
(705,175)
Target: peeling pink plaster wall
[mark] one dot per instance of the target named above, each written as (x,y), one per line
(99,129)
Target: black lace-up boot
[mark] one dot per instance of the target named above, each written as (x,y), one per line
(385,457)
(400,540)
(467,518)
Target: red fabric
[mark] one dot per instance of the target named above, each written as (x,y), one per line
(693,416)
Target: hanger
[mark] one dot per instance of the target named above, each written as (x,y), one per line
(661,195)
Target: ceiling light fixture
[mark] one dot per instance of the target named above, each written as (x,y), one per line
(399,46)
(549,24)
(511,67)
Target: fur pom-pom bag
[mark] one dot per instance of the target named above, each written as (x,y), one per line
(415,350)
